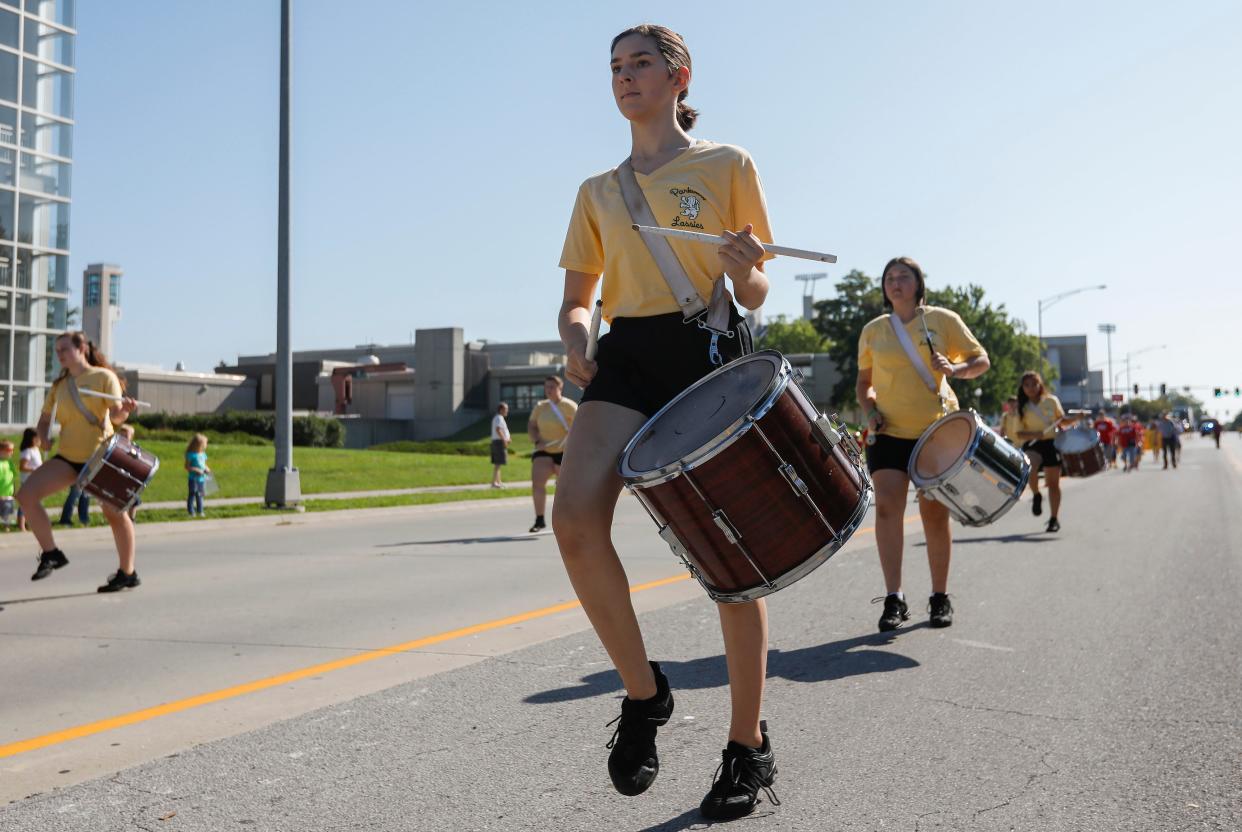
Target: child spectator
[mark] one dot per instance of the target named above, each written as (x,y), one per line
(7,483)
(31,459)
(196,465)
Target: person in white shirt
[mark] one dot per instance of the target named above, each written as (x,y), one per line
(31,458)
(500,443)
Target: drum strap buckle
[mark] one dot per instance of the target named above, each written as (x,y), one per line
(713,348)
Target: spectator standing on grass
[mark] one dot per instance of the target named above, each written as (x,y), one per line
(196,466)
(500,443)
(28,462)
(8,480)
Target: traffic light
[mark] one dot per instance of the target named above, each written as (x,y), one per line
(1237,391)
(1163,390)
(1136,390)
(1216,391)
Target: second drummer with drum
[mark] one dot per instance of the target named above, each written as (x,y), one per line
(904,359)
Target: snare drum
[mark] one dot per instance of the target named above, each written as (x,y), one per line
(969,468)
(118,472)
(749,484)
(1081,452)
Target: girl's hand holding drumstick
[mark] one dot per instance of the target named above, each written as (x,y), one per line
(580,367)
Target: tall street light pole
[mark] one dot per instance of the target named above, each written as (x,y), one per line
(284,487)
(1108,330)
(1047,302)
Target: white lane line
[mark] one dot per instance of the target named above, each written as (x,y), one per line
(983,645)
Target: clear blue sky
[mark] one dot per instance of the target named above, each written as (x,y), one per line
(438,148)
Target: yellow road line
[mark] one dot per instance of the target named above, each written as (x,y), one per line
(134,717)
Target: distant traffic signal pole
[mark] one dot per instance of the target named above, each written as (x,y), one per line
(284,488)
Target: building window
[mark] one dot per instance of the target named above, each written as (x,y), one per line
(93,294)
(114,290)
(521,398)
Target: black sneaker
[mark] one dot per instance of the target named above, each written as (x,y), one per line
(633,763)
(1053,525)
(1037,504)
(895,612)
(941,610)
(48,561)
(538,526)
(120,581)
(742,773)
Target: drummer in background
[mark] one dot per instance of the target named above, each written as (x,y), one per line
(647,358)
(1039,415)
(82,431)
(1009,419)
(548,426)
(898,407)
(1107,429)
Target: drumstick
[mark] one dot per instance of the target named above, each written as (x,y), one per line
(593,332)
(712,239)
(110,397)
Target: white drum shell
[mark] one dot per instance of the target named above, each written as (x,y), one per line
(984,482)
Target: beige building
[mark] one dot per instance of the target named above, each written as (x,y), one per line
(101,304)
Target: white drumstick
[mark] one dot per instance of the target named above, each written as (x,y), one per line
(593,332)
(712,239)
(109,397)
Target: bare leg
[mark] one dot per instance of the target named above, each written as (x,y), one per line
(1037,462)
(745,631)
(582,519)
(50,477)
(495,475)
(939,542)
(891,487)
(540,470)
(123,534)
(1053,475)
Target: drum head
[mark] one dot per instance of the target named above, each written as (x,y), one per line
(1076,440)
(702,413)
(944,445)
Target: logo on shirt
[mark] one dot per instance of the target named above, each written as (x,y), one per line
(690,202)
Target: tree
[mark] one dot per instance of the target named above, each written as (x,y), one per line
(790,337)
(1011,349)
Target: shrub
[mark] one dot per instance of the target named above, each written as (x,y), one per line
(308,431)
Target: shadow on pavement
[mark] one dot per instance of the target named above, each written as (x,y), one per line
(1025,537)
(505,538)
(822,663)
(49,598)
(691,819)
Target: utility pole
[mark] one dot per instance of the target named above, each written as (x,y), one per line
(284,487)
(808,295)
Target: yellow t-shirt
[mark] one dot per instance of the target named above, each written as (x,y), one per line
(1049,408)
(1010,426)
(551,431)
(78,437)
(906,404)
(707,188)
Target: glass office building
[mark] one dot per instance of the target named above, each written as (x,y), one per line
(36,151)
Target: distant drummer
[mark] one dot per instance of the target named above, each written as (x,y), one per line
(1039,415)
(900,399)
(86,422)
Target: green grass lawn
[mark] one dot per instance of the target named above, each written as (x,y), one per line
(241,470)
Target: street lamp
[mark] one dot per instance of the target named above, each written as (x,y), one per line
(1108,330)
(1047,302)
(808,295)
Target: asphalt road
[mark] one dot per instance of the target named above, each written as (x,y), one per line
(1091,682)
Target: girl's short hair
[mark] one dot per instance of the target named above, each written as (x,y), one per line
(918,275)
(197,443)
(673,49)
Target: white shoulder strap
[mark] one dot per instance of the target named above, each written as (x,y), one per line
(670,267)
(903,338)
(560,417)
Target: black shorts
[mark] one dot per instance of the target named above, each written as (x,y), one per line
(645,362)
(556,458)
(1047,450)
(890,452)
(77,466)
(500,453)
